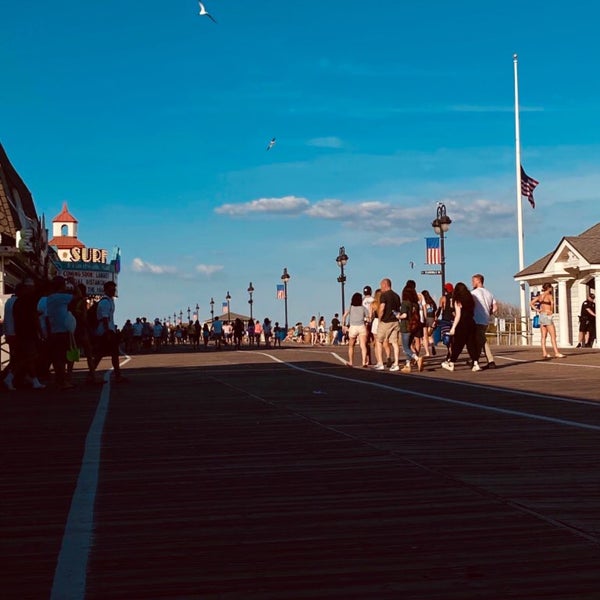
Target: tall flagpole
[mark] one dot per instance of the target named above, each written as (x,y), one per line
(519,205)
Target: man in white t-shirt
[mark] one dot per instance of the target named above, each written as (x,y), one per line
(106,338)
(485,307)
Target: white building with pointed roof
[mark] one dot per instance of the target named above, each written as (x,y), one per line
(573,269)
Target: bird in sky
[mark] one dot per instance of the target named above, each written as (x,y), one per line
(271,144)
(203,12)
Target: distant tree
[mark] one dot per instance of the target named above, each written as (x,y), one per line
(508,311)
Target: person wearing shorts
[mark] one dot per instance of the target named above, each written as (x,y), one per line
(354,318)
(389,327)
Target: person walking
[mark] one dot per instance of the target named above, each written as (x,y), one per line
(485,307)
(543,304)
(463,328)
(388,328)
(354,318)
(107,339)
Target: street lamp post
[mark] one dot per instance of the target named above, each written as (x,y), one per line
(212,309)
(174,318)
(181,316)
(250,302)
(440,225)
(342,260)
(228,298)
(197,312)
(285,278)
(189,314)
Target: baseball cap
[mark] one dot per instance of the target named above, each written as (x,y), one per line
(367,290)
(449,287)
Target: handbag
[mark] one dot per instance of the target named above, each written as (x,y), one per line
(73,353)
(536,322)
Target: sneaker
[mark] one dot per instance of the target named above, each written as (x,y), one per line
(491,365)
(406,368)
(578,345)
(476,367)
(379,367)
(394,368)
(36,384)
(420,361)
(449,366)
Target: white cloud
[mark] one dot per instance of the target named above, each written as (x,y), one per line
(326,142)
(209,269)
(287,205)
(394,241)
(144,267)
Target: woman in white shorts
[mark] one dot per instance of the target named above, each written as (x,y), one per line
(354,318)
(543,303)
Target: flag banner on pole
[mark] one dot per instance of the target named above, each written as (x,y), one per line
(433,252)
(528,184)
(280,292)
(224,305)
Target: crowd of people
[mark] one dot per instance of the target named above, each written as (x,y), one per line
(142,336)
(406,327)
(47,325)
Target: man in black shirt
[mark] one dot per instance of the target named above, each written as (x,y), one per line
(587,321)
(389,328)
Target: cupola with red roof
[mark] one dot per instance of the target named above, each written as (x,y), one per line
(64,233)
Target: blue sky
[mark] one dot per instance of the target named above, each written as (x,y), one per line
(152,123)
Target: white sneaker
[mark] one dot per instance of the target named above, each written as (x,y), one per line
(476,367)
(449,366)
(379,367)
(394,368)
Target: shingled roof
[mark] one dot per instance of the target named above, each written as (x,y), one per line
(587,244)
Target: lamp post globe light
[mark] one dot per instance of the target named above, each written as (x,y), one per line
(285,278)
(212,309)
(250,302)
(342,260)
(228,298)
(440,225)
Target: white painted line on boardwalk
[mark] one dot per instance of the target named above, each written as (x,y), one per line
(71,567)
(505,411)
(552,361)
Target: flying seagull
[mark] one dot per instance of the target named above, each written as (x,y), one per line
(203,12)
(271,144)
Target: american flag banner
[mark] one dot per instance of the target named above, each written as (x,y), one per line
(433,252)
(224,306)
(528,184)
(280,292)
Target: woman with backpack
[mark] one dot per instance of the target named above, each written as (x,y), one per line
(410,323)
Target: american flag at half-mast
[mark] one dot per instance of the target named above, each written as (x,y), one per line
(280,292)
(433,254)
(528,184)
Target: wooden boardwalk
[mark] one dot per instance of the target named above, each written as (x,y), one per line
(283,474)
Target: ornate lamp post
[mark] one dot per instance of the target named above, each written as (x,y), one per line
(342,260)
(285,278)
(212,310)
(189,313)
(174,318)
(197,312)
(440,225)
(180,316)
(250,302)
(228,298)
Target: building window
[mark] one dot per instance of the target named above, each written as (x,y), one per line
(64,230)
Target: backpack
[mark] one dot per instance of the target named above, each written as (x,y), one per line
(91,316)
(414,321)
